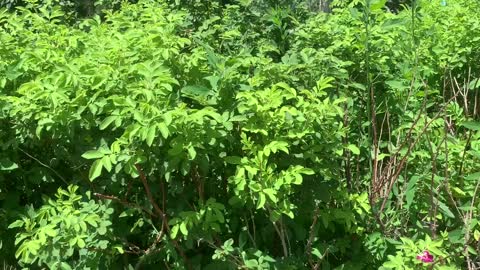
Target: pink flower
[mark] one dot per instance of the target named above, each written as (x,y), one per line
(425,257)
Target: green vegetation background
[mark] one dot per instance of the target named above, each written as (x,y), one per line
(241,134)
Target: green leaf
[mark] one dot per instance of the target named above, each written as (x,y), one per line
(191,152)
(16,224)
(444,209)
(163,130)
(471,125)
(411,189)
(255,186)
(119,249)
(92,220)
(471,250)
(376,4)
(271,193)
(95,169)
(410,194)
(80,242)
(396,85)
(354,149)
(298,179)
(50,231)
(174,231)
(307,171)
(413,182)
(473,176)
(275,216)
(233,160)
(92,154)
(195,90)
(458,191)
(213,81)
(107,163)
(102,230)
(107,121)
(7,165)
(391,265)
(474,84)
(65,266)
(436,251)
(183,228)
(476,235)
(176,149)
(317,253)
(261,200)
(392,23)
(151,135)
(21,250)
(73,241)
(251,264)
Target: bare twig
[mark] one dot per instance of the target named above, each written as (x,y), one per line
(161,214)
(311,237)
(124,202)
(44,165)
(467,221)
(409,150)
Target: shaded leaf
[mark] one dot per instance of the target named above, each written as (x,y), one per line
(471,125)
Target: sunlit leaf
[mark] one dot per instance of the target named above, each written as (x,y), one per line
(95,169)
(7,165)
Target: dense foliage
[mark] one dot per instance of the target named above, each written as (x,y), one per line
(240,134)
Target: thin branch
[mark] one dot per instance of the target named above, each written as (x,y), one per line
(467,220)
(311,237)
(149,193)
(44,165)
(124,202)
(282,239)
(161,214)
(409,150)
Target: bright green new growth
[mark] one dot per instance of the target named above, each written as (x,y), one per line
(64,229)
